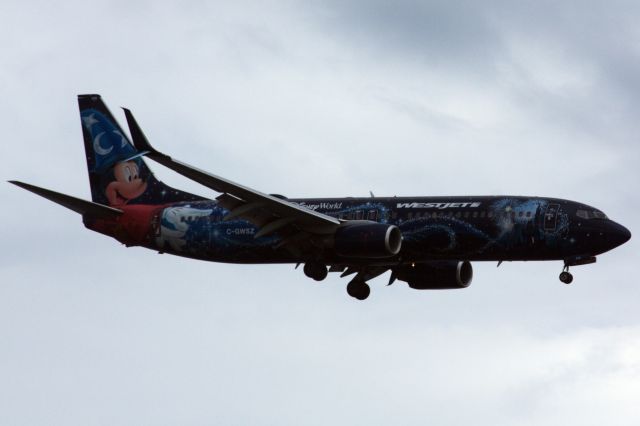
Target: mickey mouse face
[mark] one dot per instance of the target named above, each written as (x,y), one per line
(127,186)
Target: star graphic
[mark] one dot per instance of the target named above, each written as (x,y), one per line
(89,121)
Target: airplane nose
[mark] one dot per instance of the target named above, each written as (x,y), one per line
(618,234)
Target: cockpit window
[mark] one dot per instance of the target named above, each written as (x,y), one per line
(599,215)
(591,214)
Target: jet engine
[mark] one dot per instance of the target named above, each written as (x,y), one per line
(438,275)
(366,239)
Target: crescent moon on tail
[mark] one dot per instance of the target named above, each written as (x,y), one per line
(99,149)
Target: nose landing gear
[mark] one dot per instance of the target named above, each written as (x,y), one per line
(565,275)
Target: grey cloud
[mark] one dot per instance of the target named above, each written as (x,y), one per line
(433,33)
(475,41)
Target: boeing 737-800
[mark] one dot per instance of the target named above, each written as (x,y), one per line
(427,242)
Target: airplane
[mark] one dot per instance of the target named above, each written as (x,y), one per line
(426,242)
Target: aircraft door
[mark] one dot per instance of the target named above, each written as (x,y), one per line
(551,217)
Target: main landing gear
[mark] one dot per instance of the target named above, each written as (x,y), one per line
(565,275)
(358,289)
(315,270)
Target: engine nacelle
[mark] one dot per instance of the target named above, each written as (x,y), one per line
(366,239)
(437,275)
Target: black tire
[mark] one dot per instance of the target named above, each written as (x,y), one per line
(566,277)
(315,270)
(321,272)
(352,289)
(358,290)
(364,291)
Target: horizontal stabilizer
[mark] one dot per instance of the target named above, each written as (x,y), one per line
(85,208)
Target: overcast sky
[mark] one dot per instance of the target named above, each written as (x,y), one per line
(320,99)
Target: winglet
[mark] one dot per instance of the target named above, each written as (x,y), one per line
(138,137)
(78,205)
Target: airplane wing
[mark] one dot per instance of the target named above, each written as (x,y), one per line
(268,212)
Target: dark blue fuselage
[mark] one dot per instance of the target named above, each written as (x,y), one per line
(488,228)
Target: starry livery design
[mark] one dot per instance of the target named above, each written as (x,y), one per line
(117,173)
(427,242)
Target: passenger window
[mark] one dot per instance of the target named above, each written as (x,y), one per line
(458,214)
(475,214)
(490,215)
(394,215)
(482,213)
(466,214)
(372,215)
(410,215)
(528,214)
(359,215)
(520,214)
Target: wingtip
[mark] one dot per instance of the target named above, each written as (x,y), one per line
(20,184)
(137,135)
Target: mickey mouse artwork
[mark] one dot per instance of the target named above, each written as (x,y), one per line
(127,184)
(115,163)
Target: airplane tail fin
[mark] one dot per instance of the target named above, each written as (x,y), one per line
(118,174)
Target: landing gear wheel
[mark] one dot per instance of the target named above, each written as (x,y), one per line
(566,277)
(358,289)
(315,270)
